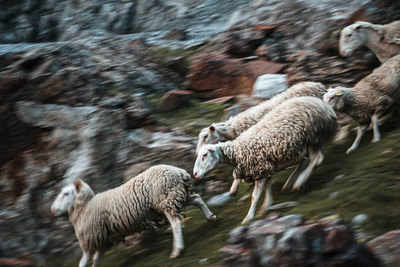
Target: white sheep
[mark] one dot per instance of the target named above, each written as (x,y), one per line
(296,129)
(144,202)
(233,127)
(383,40)
(370,99)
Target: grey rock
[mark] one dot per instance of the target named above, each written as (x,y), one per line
(269,85)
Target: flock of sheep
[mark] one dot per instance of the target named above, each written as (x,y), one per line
(289,129)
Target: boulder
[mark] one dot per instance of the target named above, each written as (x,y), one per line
(288,241)
(269,85)
(217,75)
(174,99)
(387,248)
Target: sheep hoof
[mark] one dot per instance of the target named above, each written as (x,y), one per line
(245,220)
(176,252)
(212,218)
(374,140)
(349,150)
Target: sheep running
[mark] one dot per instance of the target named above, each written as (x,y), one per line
(233,127)
(383,40)
(296,129)
(371,98)
(144,202)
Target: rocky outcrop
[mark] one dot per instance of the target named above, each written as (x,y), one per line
(387,248)
(288,241)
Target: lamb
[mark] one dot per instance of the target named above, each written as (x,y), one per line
(383,40)
(370,99)
(144,202)
(233,127)
(296,129)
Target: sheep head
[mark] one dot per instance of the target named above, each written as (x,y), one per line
(78,191)
(214,134)
(351,38)
(334,97)
(207,159)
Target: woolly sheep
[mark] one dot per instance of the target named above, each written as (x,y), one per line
(144,202)
(233,127)
(292,131)
(371,98)
(383,40)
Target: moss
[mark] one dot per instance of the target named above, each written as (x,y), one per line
(191,118)
(162,54)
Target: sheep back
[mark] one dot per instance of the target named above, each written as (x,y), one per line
(132,207)
(281,138)
(250,117)
(385,78)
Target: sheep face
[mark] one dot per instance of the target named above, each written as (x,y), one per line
(334,98)
(64,200)
(208,135)
(207,159)
(351,38)
(76,193)
(214,134)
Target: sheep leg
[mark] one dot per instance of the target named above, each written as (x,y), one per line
(314,159)
(176,226)
(295,174)
(234,187)
(360,132)
(268,198)
(197,201)
(85,259)
(97,257)
(258,188)
(375,127)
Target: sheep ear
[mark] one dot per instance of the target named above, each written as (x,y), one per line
(78,185)
(211,128)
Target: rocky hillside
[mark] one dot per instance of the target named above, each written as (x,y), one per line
(103,89)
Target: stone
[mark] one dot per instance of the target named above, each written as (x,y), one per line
(289,241)
(387,248)
(260,67)
(175,34)
(359,219)
(269,85)
(174,99)
(217,75)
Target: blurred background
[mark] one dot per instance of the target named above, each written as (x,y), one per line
(104,89)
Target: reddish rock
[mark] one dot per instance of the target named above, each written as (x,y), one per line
(337,239)
(217,75)
(16,262)
(261,67)
(174,99)
(175,34)
(221,100)
(387,248)
(264,27)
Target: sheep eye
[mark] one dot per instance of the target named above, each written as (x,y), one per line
(66,194)
(349,35)
(205,137)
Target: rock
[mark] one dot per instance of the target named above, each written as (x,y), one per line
(288,241)
(359,219)
(261,67)
(175,34)
(174,99)
(329,70)
(387,248)
(269,85)
(220,200)
(217,75)
(221,100)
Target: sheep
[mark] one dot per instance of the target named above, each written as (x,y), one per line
(144,202)
(370,99)
(382,40)
(233,127)
(296,129)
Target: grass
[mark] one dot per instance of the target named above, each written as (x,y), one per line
(191,118)
(161,54)
(366,181)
